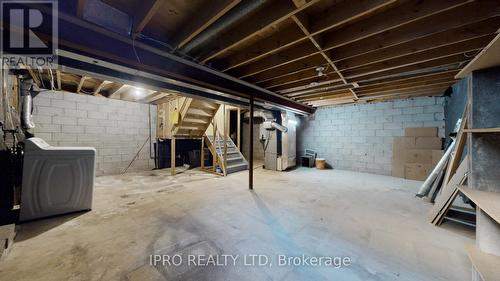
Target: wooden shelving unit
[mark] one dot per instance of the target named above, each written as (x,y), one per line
(482,130)
(485,264)
(487,201)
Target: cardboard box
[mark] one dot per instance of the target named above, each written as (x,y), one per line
(421,132)
(428,142)
(417,171)
(436,156)
(422,156)
(398,167)
(403,142)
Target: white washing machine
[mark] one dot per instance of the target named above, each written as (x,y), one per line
(56,180)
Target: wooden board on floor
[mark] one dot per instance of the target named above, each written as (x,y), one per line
(448,194)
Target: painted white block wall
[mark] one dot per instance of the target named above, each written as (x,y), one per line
(116,129)
(359,137)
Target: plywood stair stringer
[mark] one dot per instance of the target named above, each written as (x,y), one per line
(196,116)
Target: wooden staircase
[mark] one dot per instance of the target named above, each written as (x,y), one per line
(196,116)
(234,160)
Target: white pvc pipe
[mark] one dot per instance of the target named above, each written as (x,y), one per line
(426,186)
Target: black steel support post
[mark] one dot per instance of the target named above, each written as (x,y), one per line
(250,154)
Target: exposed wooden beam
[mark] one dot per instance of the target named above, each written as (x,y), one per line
(343,100)
(375,84)
(408,91)
(99,87)
(302,22)
(363,29)
(145,14)
(450,61)
(307,84)
(35,76)
(394,89)
(302,51)
(409,48)
(154,97)
(304,75)
(212,12)
(114,90)
(297,66)
(328,96)
(454,25)
(466,49)
(439,66)
(405,13)
(80,84)
(276,12)
(432,54)
(80,7)
(448,81)
(335,16)
(406,94)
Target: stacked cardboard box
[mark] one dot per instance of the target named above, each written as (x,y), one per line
(415,155)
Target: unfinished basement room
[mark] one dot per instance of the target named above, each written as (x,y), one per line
(172,140)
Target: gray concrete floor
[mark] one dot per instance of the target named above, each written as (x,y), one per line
(375,220)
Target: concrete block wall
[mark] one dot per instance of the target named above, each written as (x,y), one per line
(117,129)
(359,137)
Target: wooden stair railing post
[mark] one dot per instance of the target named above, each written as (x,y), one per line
(238,129)
(202,151)
(214,143)
(225,140)
(172,156)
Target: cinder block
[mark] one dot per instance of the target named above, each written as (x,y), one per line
(423,117)
(97,115)
(393,126)
(56,95)
(88,122)
(71,129)
(64,120)
(47,128)
(67,137)
(402,103)
(75,113)
(413,110)
(94,130)
(424,101)
(47,110)
(41,100)
(63,104)
(42,119)
(74,97)
(87,106)
(433,108)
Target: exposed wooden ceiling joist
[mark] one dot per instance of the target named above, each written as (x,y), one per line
(145,14)
(371,26)
(201,21)
(336,16)
(276,12)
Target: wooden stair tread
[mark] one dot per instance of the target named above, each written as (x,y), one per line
(485,200)
(485,264)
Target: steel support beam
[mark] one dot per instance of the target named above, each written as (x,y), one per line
(86,39)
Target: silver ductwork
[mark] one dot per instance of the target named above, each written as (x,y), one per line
(235,15)
(27,104)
